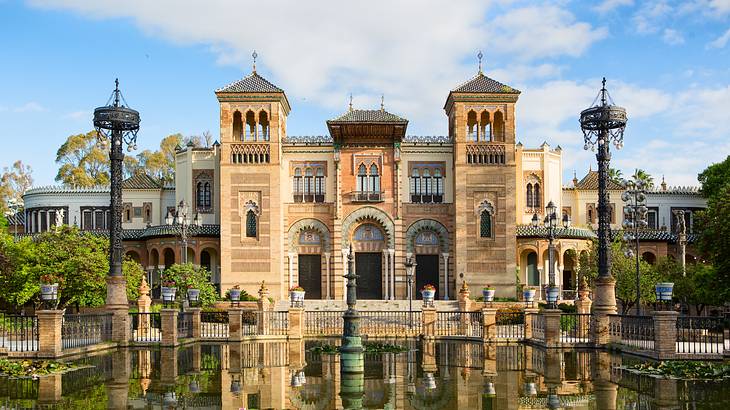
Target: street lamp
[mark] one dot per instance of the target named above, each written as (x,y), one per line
(116,124)
(635,212)
(551,224)
(410,265)
(182,222)
(603,123)
(13,207)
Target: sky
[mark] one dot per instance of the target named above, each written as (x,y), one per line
(666,62)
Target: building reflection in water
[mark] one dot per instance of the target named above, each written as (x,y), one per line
(429,375)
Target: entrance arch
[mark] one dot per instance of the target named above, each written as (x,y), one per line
(368,242)
(533,274)
(428,241)
(310,247)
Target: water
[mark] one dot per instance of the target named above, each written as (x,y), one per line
(431,375)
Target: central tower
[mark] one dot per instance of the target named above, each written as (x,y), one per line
(481,114)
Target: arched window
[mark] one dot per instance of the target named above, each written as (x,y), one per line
(251,224)
(250,126)
(368,232)
(200,197)
(237,126)
(374,179)
(471,126)
(530,196)
(319,185)
(498,127)
(485,127)
(263,126)
(204,193)
(308,185)
(438,189)
(207,197)
(297,185)
(536,199)
(485,224)
(362,178)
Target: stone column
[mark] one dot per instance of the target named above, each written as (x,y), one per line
(235,324)
(489,318)
(604,391)
(296,323)
(386,263)
(391,254)
(445,292)
(196,321)
(49,333)
(143,306)
(291,269)
(552,327)
(428,315)
(168,317)
(328,274)
(604,305)
(665,334)
(529,312)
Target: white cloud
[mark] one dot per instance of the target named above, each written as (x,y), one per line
(31,106)
(720,6)
(609,5)
(672,37)
(721,41)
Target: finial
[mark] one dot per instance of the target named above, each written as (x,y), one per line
(575,178)
(254,55)
(116,92)
(603,91)
(664,184)
(350,101)
(479,56)
(382,102)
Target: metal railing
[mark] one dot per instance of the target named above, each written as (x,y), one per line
(323,323)
(468,324)
(700,334)
(214,325)
(390,323)
(635,331)
(18,333)
(145,327)
(538,327)
(367,196)
(184,325)
(575,327)
(510,324)
(85,329)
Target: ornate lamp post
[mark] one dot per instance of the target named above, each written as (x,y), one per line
(410,265)
(551,224)
(351,349)
(116,125)
(182,222)
(13,207)
(635,212)
(603,123)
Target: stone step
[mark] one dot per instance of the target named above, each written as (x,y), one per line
(369,305)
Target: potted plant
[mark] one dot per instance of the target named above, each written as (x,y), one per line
(168,290)
(552,293)
(429,381)
(296,295)
(428,292)
(49,287)
(488,293)
(193,294)
(528,294)
(664,291)
(235,293)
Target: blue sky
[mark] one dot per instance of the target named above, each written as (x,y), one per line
(666,62)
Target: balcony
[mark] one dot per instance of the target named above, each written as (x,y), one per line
(367,196)
(300,197)
(427,198)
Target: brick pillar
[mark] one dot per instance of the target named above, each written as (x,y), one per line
(552,327)
(197,323)
(428,315)
(118,305)
(117,388)
(168,371)
(197,357)
(665,334)
(296,323)
(168,317)
(50,389)
(296,354)
(489,367)
(605,304)
(604,390)
(665,391)
(49,332)
(529,312)
(235,324)
(489,318)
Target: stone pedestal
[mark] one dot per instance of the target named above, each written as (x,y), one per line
(49,333)
(552,327)
(464,301)
(118,305)
(235,324)
(296,323)
(428,315)
(168,319)
(604,305)
(665,334)
(195,315)
(264,304)
(489,320)
(529,312)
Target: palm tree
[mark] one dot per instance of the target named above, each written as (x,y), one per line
(615,175)
(641,175)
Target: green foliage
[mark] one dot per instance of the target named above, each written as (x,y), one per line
(699,287)
(82,163)
(714,178)
(14,181)
(133,274)
(368,347)
(187,276)
(714,238)
(31,368)
(685,369)
(568,323)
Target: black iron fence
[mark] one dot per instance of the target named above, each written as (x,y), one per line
(634,331)
(468,324)
(214,324)
(184,325)
(575,327)
(510,324)
(18,333)
(700,334)
(145,327)
(85,329)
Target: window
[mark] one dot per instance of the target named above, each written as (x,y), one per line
(427,184)
(297,185)
(536,199)
(308,185)
(374,179)
(485,224)
(237,126)
(362,178)
(263,126)
(87,222)
(99,220)
(471,126)
(530,196)
(203,192)
(137,211)
(250,128)
(251,224)
(319,185)
(438,191)
(415,185)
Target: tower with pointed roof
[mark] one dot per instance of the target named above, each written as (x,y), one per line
(253,114)
(481,115)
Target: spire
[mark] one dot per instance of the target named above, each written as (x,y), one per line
(382,102)
(603,92)
(664,184)
(479,56)
(254,55)
(350,102)
(575,179)
(116,92)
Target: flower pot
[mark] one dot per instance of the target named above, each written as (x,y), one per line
(235,294)
(49,291)
(168,293)
(296,297)
(429,382)
(552,294)
(530,389)
(193,295)
(489,389)
(528,295)
(428,295)
(664,291)
(488,294)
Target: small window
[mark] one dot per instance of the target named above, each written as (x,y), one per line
(251,224)
(485,224)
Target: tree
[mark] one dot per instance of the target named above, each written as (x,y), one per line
(208,138)
(641,175)
(161,164)
(15,180)
(186,276)
(82,162)
(714,177)
(714,238)
(615,175)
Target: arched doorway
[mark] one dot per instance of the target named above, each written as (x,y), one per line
(533,274)
(428,240)
(569,275)
(368,242)
(309,246)
(209,260)
(133,255)
(649,257)
(310,263)
(169,257)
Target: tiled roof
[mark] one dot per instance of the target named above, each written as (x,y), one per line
(590,182)
(59,189)
(308,139)
(655,235)
(253,83)
(368,116)
(528,231)
(427,139)
(483,84)
(153,231)
(140,181)
(677,190)
(16,219)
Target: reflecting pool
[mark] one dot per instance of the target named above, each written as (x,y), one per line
(429,375)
